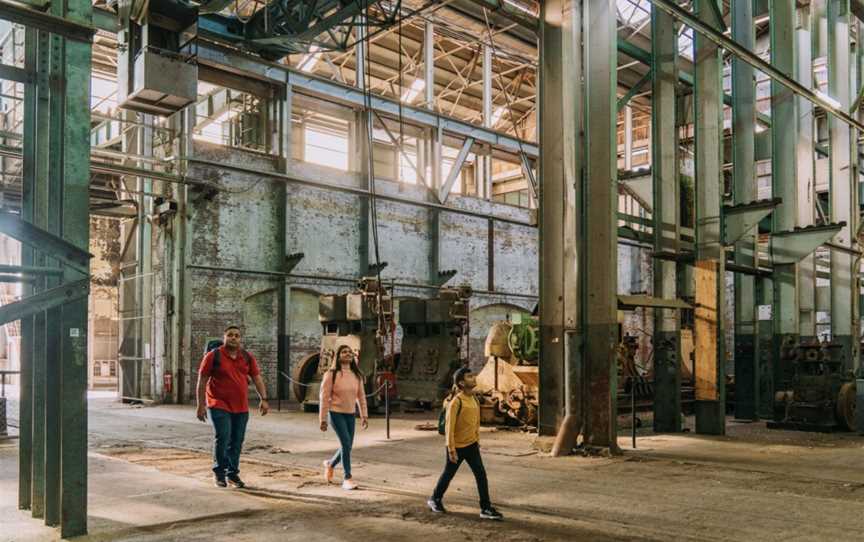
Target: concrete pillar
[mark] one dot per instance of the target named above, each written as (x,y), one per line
(578,308)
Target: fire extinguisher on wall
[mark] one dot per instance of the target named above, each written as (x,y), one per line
(167,381)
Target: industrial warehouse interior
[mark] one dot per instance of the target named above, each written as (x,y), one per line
(349,270)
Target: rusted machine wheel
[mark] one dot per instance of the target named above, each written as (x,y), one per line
(846,405)
(303,374)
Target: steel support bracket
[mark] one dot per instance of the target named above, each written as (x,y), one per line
(292,261)
(739,220)
(642,188)
(790,247)
(43,301)
(630,302)
(48,243)
(456,170)
(443,277)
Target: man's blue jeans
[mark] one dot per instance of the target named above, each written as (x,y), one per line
(230,431)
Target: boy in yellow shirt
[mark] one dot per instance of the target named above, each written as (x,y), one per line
(462,433)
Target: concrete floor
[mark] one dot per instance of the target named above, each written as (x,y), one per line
(150,481)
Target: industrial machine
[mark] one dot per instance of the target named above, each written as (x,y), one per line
(361,320)
(510,380)
(434,337)
(157,70)
(819,394)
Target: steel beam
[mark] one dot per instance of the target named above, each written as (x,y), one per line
(709,271)
(805,171)
(666,211)
(29,147)
(31,270)
(717,37)
(224,58)
(843,188)
(784,184)
(455,171)
(61,26)
(54,246)
(746,355)
(75,227)
(43,301)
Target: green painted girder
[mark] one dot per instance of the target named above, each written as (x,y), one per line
(634,90)
(47,243)
(739,220)
(30,270)
(629,302)
(16,278)
(43,301)
(790,247)
(60,26)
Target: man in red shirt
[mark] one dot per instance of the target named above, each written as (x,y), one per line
(224,379)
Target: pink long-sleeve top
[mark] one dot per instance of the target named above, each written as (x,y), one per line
(342,396)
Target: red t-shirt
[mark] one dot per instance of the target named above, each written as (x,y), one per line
(228,387)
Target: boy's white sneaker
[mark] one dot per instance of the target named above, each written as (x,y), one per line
(349,484)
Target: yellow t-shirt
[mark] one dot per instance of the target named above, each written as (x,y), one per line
(462,421)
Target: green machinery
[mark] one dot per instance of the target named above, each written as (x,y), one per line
(524,338)
(433,334)
(360,320)
(819,393)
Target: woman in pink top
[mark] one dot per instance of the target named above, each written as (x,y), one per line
(341,392)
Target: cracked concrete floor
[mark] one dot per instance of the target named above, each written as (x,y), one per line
(150,481)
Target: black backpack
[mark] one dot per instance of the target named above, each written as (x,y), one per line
(217,355)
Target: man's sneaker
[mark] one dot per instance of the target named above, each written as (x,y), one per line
(235,481)
(328,472)
(349,484)
(490,513)
(436,506)
(219,481)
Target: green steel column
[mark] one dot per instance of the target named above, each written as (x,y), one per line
(844,189)
(52,154)
(600,221)
(25,416)
(76,229)
(43,209)
(710,269)
(560,205)
(784,139)
(744,175)
(664,142)
(806,172)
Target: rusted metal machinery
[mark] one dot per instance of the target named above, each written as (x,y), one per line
(434,332)
(361,320)
(819,394)
(509,381)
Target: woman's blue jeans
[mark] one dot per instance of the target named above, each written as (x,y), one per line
(343,425)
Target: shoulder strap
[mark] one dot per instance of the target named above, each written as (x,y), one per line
(247,357)
(216,358)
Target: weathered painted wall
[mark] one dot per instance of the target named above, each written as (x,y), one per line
(238,229)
